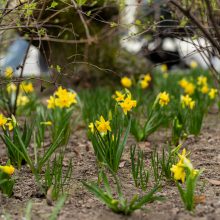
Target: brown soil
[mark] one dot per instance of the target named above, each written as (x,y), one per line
(81,205)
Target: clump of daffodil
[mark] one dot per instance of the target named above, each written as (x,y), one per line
(179,170)
(125,101)
(126,82)
(102,125)
(163,98)
(145,81)
(212,93)
(8,72)
(184,172)
(8,169)
(62,99)
(187,101)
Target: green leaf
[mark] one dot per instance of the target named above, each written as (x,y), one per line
(50,150)
(81,2)
(53,4)
(58,207)
(122,145)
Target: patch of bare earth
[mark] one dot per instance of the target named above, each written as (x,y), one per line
(205,153)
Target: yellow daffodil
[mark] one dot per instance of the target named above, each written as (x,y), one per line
(51,102)
(185,161)
(62,99)
(10,125)
(102,125)
(205,89)
(179,171)
(119,96)
(91,127)
(183,83)
(192,104)
(202,80)
(22,100)
(11,87)
(26,87)
(145,80)
(187,101)
(126,82)
(164,98)
(193,64)
(65,101)
(128,104)
(164,68)
(8,169)
(3,120)
(212,93)
(144,84)
(61,92)
(9,72)
(147,77)
(189,89)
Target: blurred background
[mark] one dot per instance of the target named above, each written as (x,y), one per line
(84,42)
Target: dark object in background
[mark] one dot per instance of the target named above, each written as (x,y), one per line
(168,28)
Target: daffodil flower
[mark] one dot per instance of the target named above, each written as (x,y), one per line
(9,72)
(128,104)
(102,125)
(212,93)
(126,82)
(164,98)
(8,169)
(187,101)
(3,120)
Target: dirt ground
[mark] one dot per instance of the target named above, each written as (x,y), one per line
(81,205)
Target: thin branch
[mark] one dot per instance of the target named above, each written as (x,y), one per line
(210,10)
(197,23)
(83,21)
(21,76)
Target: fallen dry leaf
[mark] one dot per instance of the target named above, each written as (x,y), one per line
(49,196)
(214,182)
(199,199)
(122,164)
